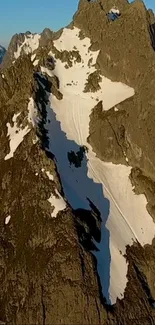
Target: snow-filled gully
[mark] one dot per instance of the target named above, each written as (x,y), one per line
(124,215)
(114,201)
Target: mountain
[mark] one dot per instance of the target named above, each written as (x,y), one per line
(77,171)
(2,53)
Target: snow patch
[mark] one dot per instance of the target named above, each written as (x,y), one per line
(32,112)
(33,57)
(3,76)
(47,71)
(50,176)
(114,11)
(29,45)
(7,220)
(58,203)
(35,62)
(16,135)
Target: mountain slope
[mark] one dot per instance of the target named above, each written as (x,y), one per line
(77,179)
(73,114)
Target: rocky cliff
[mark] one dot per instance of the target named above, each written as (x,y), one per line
(77,176)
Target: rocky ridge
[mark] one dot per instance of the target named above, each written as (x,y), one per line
(63,285)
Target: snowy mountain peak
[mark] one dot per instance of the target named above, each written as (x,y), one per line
(77,135)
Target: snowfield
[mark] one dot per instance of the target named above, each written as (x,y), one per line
(124,215)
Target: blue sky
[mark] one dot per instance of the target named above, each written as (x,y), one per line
(21,15)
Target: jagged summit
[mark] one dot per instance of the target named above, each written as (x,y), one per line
(27,42)
(77,171)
